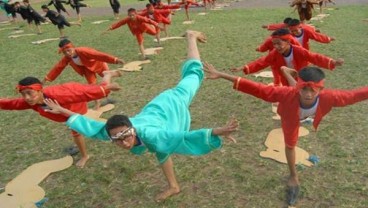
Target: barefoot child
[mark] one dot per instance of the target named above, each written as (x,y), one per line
(306,99)
(303,35)
(285,54)
(72,96)
(87,62)
(163,125)
(138,25)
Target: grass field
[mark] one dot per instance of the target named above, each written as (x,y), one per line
(234,176)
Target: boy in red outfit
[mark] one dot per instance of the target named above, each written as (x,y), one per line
(85,61)
(288,55)
(276,26)
(303,35)
(306,99)
(73,96)
(267,45)
(138,25)
(187,4)
(161,16)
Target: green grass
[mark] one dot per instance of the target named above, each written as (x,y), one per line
(234,176)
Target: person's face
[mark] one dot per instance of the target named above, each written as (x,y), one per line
(16,6)
(132,15)
(32,97)
(25,3)
(69,52)
(150,10)
(123,136)
(296,31)
(308,95)
(45,10)
(280,45)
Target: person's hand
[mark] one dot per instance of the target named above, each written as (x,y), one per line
(225,131)
(264,26)
(113,87)
(338,62)
(120,61)
(332,38)
(236,69)
(287,70)
(211,72)
(54,106)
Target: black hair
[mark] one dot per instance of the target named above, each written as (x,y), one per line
(293,22)
(311,74)
(148,5)
(287,20)
(44,6)
(280,32)
(17,2)
(63,42)
(29,81)
(131,10)
(116,121)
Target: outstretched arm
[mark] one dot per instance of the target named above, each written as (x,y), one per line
(212,73)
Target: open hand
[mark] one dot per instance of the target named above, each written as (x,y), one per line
(54,106)
(339,62)
(225,131)
(211,72)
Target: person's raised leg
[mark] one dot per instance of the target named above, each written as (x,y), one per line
(79,141)
(192,69)
(168,170)
(192,48)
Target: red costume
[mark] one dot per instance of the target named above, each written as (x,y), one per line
(163,6)
(93,62)
(310,34)
(72,96)
(267,45)
(277,26)
(301,59)
(138,26)
(188,3)
(159,15)
(289,104)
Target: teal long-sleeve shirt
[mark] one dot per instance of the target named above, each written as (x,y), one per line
(163,124)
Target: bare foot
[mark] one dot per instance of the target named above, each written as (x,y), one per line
(82,162)
(167,193)
(201,37)
(112,73)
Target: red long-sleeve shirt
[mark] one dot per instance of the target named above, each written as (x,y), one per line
(311,34)
(136,26)
(93,61)
(289,103)
(276,26)
(188,3)
(159,15)
(72,96)
(301,59)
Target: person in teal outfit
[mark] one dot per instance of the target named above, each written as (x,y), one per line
(163,125)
